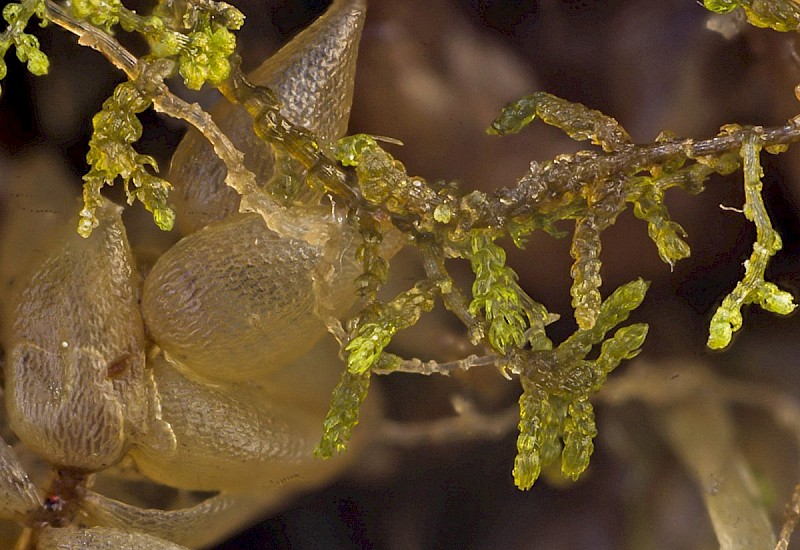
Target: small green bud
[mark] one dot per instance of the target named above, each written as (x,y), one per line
(579,431)
(366,347)
(205,58)
(721,6)
(349,150)
(722,327)
(164,218)
(443,213)
(773,299)
(11,12)
(38,64)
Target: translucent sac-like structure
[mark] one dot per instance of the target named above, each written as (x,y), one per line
(237,437)
(235,301)
(197,526)
(313,76)
(210,375)
(18,498)
(75,380)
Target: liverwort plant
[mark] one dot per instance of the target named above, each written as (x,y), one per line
(374,198)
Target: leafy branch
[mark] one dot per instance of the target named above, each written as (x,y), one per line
(752,288)
(111,156)
(196,40)
(17,16)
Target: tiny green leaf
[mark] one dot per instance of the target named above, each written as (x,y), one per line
(342,416)
(579,431)
(576,120)
(533,409)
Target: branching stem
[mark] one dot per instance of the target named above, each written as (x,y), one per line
(417,366)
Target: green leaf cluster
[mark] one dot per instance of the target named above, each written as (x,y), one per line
(100,13)
(111,156)
(780,15)
(371,334)
(376,327)
(196,34)
(541,423)
(26,45)
(495,292)
(205,56)
(556,417)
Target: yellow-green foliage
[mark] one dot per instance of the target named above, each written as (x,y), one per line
(27,45)
(348,395)
(591,188)
(111,155)
(752,288)
(781,15)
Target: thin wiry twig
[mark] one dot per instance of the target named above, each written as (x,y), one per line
(418,366)
(792,519)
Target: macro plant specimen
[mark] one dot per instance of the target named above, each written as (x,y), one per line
(211,364)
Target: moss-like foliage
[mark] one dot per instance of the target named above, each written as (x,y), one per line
(781,15)
(495,292)
(111,156)
(576,120)
(539,427)
(555,413)
(342,418)
(591,188)
(26,45)
(195,39)
(752,288)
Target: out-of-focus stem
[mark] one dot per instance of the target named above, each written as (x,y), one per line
(700,432)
